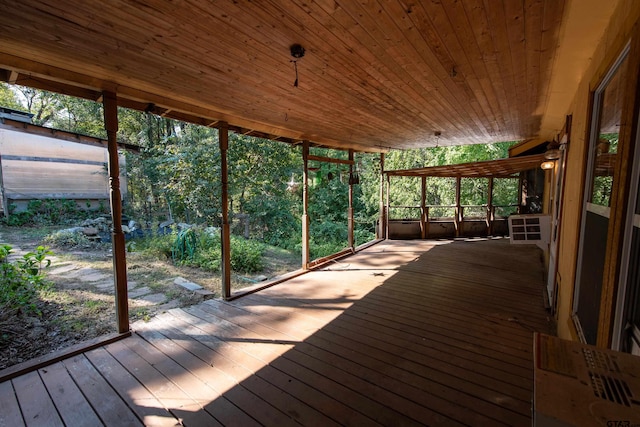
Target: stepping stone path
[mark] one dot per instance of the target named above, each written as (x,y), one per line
(63,267)
(151,299)
(139,292)
(72,275)
(140,296)
(180,281)
(85,274)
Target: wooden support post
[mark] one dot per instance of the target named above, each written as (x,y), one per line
(423,208)
(459,214)
(427,220)
(5,201)
(520,190)
(381,218)
(350,220)
(223,140)
(386,210)
(110,103)
(305,205)
(490,211)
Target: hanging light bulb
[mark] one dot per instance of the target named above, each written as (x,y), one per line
(297,52)
(292,186)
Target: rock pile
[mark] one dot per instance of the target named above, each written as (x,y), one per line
(93,227)
(100,229)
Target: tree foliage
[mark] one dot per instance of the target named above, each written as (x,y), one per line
(176,175)
(8,97)
(406,191)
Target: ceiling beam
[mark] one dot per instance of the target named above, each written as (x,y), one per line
(503,168)
(330,160)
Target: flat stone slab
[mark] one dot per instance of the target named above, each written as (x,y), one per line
(106,286)
(180,281)
(151,299)
(204,293)
(138,292)
(93,276)
(168,306)
(73,274)
(62,269)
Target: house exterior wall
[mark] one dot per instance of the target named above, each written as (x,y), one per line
(623,24)
(35,166)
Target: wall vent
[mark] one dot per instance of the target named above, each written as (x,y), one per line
(612,389)
(580,385)
(530,229)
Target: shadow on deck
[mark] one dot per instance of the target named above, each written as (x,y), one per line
(403,333)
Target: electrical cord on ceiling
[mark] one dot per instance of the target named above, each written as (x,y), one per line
(297,52)
(295,66)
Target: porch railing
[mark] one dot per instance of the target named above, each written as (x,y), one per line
(457,215)
(450,212)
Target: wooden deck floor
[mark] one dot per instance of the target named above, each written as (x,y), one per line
(403,333)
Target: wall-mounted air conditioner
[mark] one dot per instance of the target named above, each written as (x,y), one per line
(530,229)
(582,385)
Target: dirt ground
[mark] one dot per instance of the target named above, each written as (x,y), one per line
(81,304)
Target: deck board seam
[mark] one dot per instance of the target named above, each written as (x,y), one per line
(275,385)
(286,353)
(189,393)
(248,368)
(416,360)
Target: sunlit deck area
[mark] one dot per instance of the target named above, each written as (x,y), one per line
(402,333)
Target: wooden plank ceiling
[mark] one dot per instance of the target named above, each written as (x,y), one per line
(376,74)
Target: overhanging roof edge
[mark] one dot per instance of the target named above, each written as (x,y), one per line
(484,169)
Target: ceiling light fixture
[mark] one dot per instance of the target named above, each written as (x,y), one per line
(553,151)
(549,164)
(297,52)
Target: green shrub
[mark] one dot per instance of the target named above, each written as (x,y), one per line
(324,248)
(66,239)
(327,238)
(159,246)
(131,246)
(185,246)
(246,255)
(201,249)
(208,257)
(363,236)
(22,280)
(48,212)
(290,243)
